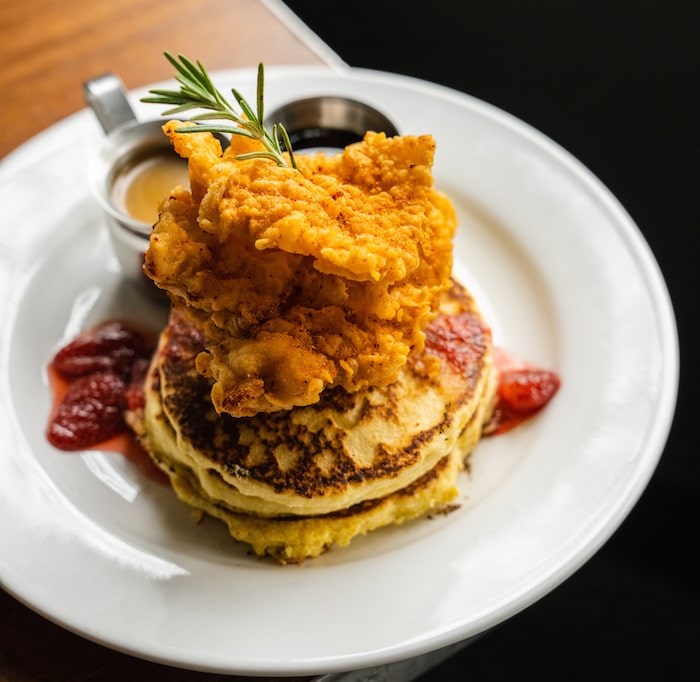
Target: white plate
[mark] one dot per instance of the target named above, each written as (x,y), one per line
(566,280)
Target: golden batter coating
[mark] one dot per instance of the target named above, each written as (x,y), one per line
(300,280)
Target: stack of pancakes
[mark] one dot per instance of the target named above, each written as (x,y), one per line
(321,375)
(293,483)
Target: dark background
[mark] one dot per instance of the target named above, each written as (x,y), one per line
(616,84)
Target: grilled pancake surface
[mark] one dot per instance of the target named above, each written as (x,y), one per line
(293,483)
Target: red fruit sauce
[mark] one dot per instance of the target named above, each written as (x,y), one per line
(459,339)
(523,390)
(96,378)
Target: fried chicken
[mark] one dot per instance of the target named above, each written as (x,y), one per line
(303,279)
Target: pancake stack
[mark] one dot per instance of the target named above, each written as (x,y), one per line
(321,374)
(294,483)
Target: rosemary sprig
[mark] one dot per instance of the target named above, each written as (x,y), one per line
(198,92)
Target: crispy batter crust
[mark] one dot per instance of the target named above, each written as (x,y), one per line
(304,280)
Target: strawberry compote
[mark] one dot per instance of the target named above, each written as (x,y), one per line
(523,390)
(97,377)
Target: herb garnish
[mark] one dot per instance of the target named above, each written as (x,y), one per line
(198,92)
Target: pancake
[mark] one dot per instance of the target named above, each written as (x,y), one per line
(293,483)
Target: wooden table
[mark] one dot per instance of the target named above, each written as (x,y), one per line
(47,49)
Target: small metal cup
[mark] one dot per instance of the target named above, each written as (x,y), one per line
(329,122)
(122,147)
(126,141)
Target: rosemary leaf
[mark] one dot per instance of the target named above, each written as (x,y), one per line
(197,91)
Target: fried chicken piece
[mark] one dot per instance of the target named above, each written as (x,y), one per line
(301,280)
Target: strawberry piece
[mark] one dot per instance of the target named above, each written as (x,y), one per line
(90,412)
(528,389)
(459,339)
(110,346)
